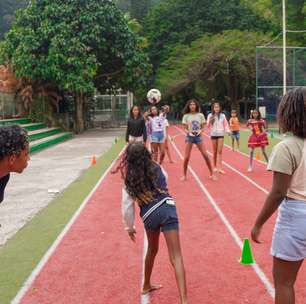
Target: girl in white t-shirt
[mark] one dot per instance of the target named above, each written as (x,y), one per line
(288,195)
(157,124)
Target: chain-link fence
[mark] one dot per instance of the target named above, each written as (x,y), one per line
(269,75)
(7,106)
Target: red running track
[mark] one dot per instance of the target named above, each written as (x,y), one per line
(97,263)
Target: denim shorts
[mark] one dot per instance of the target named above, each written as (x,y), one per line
(193,139)
(158,137)
(164,218)
(235,134)
(289,237)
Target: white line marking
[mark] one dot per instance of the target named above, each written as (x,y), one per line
(144,299)
(228,225)
(239,173)
(58,240)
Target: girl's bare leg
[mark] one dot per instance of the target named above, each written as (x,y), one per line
(251,160)
(176,259)
(233,143)
(238,143)
(153,244)
(265,154)
(186,159)
(284,274)
(167,150)
(215,151)
(219,154)
(162,152)
(154,147)
(204,153)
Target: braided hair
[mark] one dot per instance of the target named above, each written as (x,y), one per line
(140,173)
(13,140)
(292,113)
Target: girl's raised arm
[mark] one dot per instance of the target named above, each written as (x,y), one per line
(128,211)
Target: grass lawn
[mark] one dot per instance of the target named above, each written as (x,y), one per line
(20,255)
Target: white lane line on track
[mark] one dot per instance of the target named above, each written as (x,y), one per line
(238,172)
(228,225)
(144,299)
(58,240)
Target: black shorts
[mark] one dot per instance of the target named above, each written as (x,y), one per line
(216,137)
(164,218)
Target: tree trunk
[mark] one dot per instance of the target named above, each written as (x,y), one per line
(79,113)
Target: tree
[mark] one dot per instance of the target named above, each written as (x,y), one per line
(77,46)
(220,66)
(180,21)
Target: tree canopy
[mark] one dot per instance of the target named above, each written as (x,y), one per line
(180,21)
(220,66)
(76,45)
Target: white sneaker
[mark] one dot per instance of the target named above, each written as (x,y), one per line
(250,169)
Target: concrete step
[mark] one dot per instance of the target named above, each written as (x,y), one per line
(34,126)
(14,121)
(42,133)
(43,143)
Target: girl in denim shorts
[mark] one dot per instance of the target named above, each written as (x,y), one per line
(145,184)
(157,123)
(288,195)
(194,122)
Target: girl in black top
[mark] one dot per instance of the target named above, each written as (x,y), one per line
(136,127)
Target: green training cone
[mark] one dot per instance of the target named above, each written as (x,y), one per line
(246,256)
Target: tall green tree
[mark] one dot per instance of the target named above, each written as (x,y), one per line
(220,66)
(77,46)
(181,21)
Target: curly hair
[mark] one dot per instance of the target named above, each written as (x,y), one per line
(292,113)
(187,106)
(13,140)
(140,173)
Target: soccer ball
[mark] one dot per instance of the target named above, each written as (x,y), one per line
(154,96)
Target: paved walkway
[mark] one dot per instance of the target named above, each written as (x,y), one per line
(49,171)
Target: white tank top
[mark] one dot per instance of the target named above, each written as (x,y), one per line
(297,189)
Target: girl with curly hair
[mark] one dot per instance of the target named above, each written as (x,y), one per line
(14,153)
(145,184)
(288,195)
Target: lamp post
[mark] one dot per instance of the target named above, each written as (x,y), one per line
(284,49)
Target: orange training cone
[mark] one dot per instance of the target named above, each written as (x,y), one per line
(93,160)
(258,156)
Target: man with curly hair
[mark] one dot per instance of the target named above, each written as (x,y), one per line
(14,153)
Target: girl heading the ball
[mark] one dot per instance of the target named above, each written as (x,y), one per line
(157,122)
(194,123)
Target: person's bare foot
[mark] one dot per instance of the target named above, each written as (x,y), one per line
(147,289)
(213,177)
(171,161)
(221,171)
(184,178)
